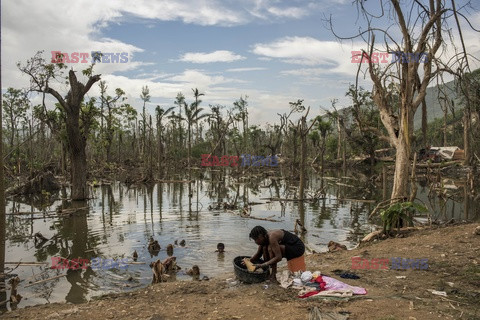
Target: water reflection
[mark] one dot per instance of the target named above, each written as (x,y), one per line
(121,219)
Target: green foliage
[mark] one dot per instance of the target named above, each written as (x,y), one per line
(331,146)
(199,149)
(400,211)
(454,130)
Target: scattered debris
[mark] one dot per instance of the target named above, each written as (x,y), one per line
(45,280)
(316,314)
(438,293)
(335,246)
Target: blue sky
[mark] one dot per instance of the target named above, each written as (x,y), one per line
(273,51)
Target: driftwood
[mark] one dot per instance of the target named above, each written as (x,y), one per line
(45,280)
(263,219)
(255,203)
(358,200)
(375,234)
(287,199)
(281,199)
(372,235)
(71,210)
(243,215)
(438,165)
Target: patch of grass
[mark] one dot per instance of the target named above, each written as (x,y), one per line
(440,285)
(438,266)
(472,274)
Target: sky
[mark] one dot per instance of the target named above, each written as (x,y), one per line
(273,51)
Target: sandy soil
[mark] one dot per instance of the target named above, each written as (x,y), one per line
(453,259)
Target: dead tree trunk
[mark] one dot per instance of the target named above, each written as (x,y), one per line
(76,138)
(303,132)
(77,131)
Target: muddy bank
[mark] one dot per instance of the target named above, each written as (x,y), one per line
(453,260)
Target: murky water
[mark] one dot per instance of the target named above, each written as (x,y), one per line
(119,220)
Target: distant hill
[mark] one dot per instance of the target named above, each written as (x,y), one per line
(434,109)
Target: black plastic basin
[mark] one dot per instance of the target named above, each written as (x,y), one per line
(246,276)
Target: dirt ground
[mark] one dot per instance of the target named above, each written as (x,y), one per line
(453,260)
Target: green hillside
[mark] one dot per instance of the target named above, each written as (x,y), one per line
(434,110)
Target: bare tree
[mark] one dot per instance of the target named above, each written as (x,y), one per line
(415,34)
(145,96)
(41,75)
(197,96)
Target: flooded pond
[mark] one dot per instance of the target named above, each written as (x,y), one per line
(119,220)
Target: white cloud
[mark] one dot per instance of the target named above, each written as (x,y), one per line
(278,9)
(201,12)
(292,12)
(194,77)
(245,69)
(216,56)
(324,56)
(298,50)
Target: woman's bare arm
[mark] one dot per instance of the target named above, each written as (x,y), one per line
(274,238)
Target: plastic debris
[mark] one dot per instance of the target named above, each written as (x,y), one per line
(438,293)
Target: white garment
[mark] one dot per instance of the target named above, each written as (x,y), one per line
(306,276)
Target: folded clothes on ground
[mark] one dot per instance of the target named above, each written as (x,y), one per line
(333,287)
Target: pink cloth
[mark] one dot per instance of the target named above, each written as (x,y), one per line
(334,284)
(331,284)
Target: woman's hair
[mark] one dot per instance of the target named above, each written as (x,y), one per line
(257,231)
